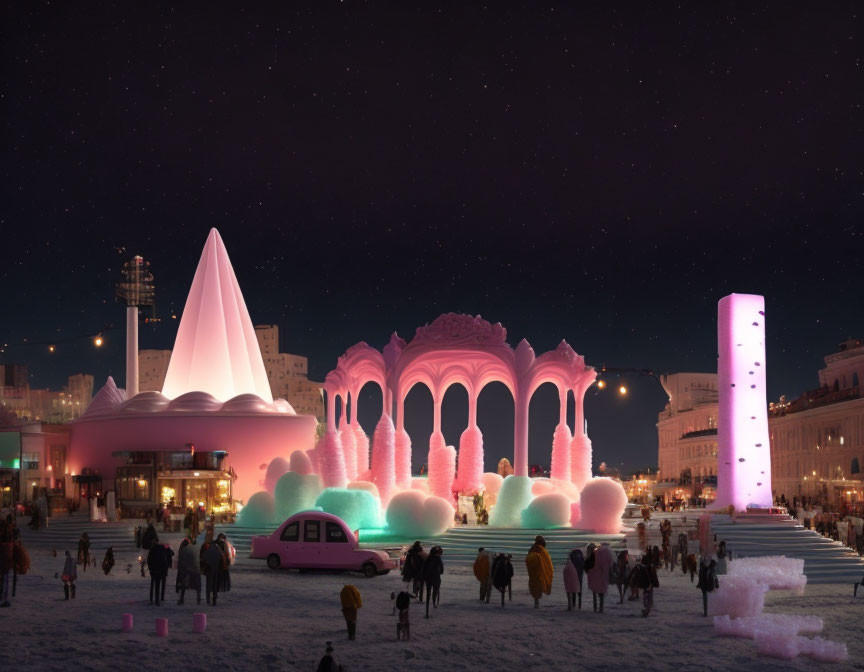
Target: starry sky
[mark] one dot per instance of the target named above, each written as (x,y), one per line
(602,175)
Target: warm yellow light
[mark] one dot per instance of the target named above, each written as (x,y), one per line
(601,384)
(622,390)
(98,341)
(50,348)
(814,472)
(142,482)
(196,473)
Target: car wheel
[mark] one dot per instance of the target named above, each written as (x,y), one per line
(369,570)
(384,573)
(273,561)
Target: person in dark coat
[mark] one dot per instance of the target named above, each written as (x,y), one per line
(70,574)
(213,562)
(622,572)
(108,562)
(84,550)
(157,563)
(328,662)
(433,568)
(149,538)
(502,575)
(707,580)
(188,571)
(412,570)
(224,574)
(646,579)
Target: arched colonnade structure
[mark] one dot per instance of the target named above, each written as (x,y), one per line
(453,349)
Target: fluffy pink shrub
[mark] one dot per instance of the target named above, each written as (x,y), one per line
(737,597)
(361,442)
(541,486)
(277,467)
(823,650)
(384,459)
(603,502)
(561,441)
(368,486)
(777,571)
(777,646)
(580,460)
(349,450)
(566,488)
(469,480)
(421,484)
(442,469)
(331,461)
(300,463)
(415,514)
(403,460)
(575,512)
(492,482)
(750,627)
(546,512)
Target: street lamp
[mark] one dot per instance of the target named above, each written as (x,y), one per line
(622,390)
(98,341)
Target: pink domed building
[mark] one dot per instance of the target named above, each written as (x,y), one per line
(209,435)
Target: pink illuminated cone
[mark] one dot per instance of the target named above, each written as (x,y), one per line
(561,452)
(216,350)
(442,467)
(580,460)
(349,450)
(743,451)
(362,444)
(403,460)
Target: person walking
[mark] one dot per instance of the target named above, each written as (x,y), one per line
(351,602)
(213,562)
(723,555)
(149,538)
(502,575)
(682,549)
(84,550)
(188,571)
(108,561)
(573,579)
(597,566)
(647,580)
(433,568)
(707,580)
(622,572)
(540,570)
(225,574)
(157,563)
(412,569)
(483,573)
(20,560)
(70,574)
(328,662)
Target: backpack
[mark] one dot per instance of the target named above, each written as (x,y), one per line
(403,601)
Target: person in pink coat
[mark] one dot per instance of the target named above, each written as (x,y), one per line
(597,566)
(573,578)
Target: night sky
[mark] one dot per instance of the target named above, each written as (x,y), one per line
(572,171)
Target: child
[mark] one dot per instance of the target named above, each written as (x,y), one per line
(351,602)
(573,578)
(403,627)
(70,573)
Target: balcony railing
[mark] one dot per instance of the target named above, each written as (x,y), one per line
(711,431)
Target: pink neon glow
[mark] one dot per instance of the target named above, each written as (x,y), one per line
(560,468)
(442,467)
(469,479)
(384,459)
(403,459)
(602,504)
(216,350)
(743,451)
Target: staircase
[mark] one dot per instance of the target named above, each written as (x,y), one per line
(63,532)
(825,560)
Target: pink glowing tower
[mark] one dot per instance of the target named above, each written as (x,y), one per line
(743,451)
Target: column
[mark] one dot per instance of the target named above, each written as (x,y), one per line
(520,434)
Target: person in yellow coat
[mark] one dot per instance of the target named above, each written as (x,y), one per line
(540,570)
(483,572)
(351,602)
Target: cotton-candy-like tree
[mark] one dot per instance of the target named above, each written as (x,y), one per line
(331,461)
(469,479)
(580,460)
(384,458)
(561,453)
(349,450)
(403,459)
(442,467)
(362,446)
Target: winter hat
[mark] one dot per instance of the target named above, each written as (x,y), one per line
(539,540)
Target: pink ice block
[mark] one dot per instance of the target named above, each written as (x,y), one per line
(777,572)
(751,627)
(128,622)
(161,627)
(777,646)
(199,622)
(737,596)
(822,650)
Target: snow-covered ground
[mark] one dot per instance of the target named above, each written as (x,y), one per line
(280,620)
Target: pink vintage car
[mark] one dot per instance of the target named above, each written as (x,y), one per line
(318,540)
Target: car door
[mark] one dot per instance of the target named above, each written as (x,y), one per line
(336,552)
(310,553)
(289,544)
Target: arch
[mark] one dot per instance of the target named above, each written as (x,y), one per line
(367,405)
(496,414)
(855,381)
(543,416)
(454,412)
(836,385)
(855,468)
(418,405)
